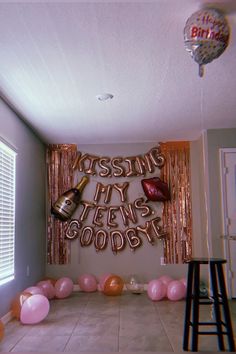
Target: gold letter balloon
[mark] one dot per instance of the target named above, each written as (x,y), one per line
(206,36)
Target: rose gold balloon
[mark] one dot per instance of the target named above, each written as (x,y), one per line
(122,189)
(157,158)
(117,241)
(147,230)
(128,213)
(101,240)
(131,166)
(133,239)
(17,304)
(2,330)
(92,163)
(103,164)
(115,162)
(86,209)
(140,205)
(98,215)
(107,190)
(111,216)
(113,286)
(72,229)
(86,236)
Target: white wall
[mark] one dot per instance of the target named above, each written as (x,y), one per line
(206,193)
(143,262)
(216,139)
(30,205)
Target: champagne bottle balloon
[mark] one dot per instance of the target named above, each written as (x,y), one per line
(67,203)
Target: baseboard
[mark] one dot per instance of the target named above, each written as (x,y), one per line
(8,316)
(77,288)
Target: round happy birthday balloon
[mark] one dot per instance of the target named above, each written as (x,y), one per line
(206,36)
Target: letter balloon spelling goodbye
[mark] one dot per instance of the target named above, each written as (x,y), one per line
(206,36)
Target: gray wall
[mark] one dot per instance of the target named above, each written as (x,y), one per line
(145,261)
(30,205)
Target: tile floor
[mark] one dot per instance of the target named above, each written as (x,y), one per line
(93,322)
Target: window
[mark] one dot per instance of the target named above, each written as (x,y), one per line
(7,213)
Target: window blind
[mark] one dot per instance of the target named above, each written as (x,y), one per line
(7,213)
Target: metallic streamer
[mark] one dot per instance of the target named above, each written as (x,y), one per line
(177,213)
(60,160)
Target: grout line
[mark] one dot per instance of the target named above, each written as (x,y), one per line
(118,337)
(163,326)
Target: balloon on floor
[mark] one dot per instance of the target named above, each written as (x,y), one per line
(63,287)
(176,290)
(113,286)
(34,309)
(47,288)
(33,290)
(156,290)
(17,304)
(101,281)
(87,283)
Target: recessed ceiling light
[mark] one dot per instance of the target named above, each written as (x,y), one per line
(104,96)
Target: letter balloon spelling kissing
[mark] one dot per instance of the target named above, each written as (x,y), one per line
(206,36)
(115,162)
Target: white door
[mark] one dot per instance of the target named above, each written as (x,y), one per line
(228,184)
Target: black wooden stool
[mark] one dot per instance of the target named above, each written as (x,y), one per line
(218,299)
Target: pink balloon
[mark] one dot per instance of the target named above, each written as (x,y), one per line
(166,279)
(34,290)
(34,309)
(63,287)
(156,290)
(48,288)
(176,290)
(87,283)
(184,281)
(101,281)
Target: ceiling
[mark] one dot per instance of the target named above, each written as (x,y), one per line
(56,57)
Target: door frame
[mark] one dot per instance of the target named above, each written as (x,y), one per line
(225,236)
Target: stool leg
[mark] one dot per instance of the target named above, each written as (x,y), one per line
(217,306)
(226,308)
(188,306)
(195,307)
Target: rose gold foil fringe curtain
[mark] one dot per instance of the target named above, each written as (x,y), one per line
(60,159)
(177,215)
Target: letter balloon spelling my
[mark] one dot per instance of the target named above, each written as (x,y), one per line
(206,36)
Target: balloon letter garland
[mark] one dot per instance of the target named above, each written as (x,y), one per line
(105,218)
(206,36)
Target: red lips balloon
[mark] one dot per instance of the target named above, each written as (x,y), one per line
(155,189)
